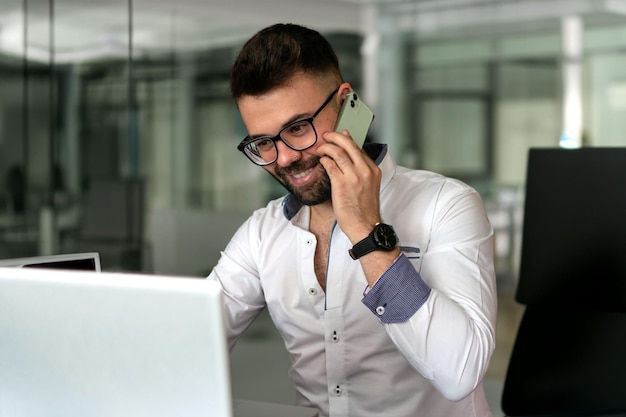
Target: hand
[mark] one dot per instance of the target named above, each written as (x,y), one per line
(355,180)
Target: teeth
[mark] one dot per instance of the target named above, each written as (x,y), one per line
(302,174)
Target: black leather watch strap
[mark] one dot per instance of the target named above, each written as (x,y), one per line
(383,237)
(363,247)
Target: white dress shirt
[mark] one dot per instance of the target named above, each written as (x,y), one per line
(418,343)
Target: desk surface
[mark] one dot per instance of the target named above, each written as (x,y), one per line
(249,408)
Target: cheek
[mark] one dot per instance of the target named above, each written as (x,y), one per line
(320,142)
(325,121)
(321,131)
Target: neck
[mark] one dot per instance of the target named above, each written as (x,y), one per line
(322,212)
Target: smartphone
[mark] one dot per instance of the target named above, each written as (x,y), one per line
(355,117)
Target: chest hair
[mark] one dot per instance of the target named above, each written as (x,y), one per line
(322,233)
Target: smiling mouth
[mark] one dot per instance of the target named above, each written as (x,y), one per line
(302,174)
(298,173)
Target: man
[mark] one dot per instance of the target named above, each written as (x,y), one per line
(403,327)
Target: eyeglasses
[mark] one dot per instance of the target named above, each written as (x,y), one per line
(298,135)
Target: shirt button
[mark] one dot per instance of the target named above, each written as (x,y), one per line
(334,336)
(309,242)
(338,391)
(380,310)
(312,291)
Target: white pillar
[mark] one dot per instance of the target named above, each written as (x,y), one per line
(369,53)
(571,41)
(392,93)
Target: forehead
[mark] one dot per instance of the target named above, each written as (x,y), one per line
(266,114)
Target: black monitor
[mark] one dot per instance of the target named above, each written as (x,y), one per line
(87,261)
(574,233)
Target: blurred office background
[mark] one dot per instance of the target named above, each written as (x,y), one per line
(118,134)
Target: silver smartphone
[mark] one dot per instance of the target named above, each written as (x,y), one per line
(355,117)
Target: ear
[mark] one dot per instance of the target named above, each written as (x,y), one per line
(344,89)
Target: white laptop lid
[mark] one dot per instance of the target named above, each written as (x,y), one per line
(86,261)
(111,344)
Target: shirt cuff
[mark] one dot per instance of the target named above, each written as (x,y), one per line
(398,293)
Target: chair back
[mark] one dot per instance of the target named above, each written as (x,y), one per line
(569,356)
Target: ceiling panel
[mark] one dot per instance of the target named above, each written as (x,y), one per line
(86,29)
(89,29)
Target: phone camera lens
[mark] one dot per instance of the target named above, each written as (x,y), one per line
(352,103)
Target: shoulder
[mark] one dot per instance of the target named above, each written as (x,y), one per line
(432,183)
(266,220)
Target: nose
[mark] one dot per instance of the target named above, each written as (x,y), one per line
(286,155)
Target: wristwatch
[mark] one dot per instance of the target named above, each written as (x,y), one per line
(383,237)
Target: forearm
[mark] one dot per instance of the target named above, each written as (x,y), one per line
(376,263)
(446,344)
(444,327)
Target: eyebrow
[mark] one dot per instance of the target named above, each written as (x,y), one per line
(293,119)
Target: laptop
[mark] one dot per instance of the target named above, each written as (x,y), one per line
(87,261)
(77,343)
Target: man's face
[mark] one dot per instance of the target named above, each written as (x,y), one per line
(299,171)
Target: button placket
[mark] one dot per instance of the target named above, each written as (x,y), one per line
(310,288)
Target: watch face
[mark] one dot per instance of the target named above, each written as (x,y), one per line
(385,237)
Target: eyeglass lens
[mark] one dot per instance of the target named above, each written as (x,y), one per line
(298,136)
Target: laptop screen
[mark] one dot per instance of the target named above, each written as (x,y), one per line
(76,343)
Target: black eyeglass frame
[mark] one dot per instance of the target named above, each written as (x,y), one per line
(247,140)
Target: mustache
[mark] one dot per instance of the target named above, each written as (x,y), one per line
(298,166)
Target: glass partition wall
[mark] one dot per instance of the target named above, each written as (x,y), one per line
(97,130)
(28,125)
(119,135)
(492,81)
(113,137)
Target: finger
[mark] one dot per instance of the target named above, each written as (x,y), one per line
(344,140)
(339,156)
(331,167)
(341,139)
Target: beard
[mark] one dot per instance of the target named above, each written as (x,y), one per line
(311,194)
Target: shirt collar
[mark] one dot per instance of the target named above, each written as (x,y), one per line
(380,155)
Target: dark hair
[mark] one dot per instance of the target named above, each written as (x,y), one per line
(275,54)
